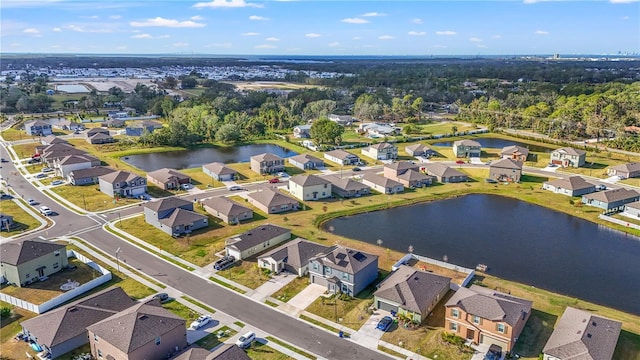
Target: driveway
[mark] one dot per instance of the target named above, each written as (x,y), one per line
(274,284)
(476,160)
(368,335)
(307,296)
(611,179)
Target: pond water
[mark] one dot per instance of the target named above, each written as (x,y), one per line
(497,143)
(518,241)
(77,88)
(183,159)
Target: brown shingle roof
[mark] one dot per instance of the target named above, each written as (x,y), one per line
(610,196)
(228,352)
(21,251)
(346,184)
(381,180)
(340,154)
(95,171)
(308,180)
(442,170)
(630,167)
(219,169)
(182,217)
(226,206)
(266,157)
(413,289)
(401,165)
(490,304)
(119,176)
(304,158)
(256,236)
(165,175)
(269,198)
(381,146)
(467,142)
(506,164)
(514,149)
(571,183)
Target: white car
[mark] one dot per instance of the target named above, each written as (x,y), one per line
(246,340)
(201,321)
(44,210)
(185,186)
(32,202)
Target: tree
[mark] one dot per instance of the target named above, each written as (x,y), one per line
(170,82)
(325,131)
(189,82)
(229,133)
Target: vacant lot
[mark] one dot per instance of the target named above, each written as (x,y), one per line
(21,219)
(90,198)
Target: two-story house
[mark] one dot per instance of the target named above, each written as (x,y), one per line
(515,152)
(381,151)
(293,257)
(123,184)
(64,166)
(408,174)
(267,163)
(571,186)
(227,210)
(486,317)
(309,187)
(38,128)
(25,261)
(568,157)
(302,131)
(467,148)
(174,216)
(98,136)
(444,173)
(506,170)
(343,270)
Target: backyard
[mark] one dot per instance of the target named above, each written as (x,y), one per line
(21,219)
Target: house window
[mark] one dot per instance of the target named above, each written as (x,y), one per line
(500,328)
(315,266)
(476,320)
(99,353)
(327,270)
(95,337)
(455,313)
(158,340)
(56,265)
(453,326)
(56,253)
(27,276)
(345,276)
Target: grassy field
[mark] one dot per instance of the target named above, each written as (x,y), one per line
(90,197)
(260,351)
(245,273)
(291,289)
(212,340)
(181,310)
(21,219)
(25,150)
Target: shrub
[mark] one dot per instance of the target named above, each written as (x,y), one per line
(5,312)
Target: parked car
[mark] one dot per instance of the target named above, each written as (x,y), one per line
(201,321)
(46,169)
(552,165)
(283,174)
(44,210)
(3,160)
(274,181)
(41,175)
(459,161)
(57,182)
(620,177)
(224,263)
(385,323)
(246,340)
(357,169)
(185,186)
(235,188)
(32,202)
(6,197)
(162,297)
(601,187)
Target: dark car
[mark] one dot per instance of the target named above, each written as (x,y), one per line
(385,323)
(356,169)
(162,297)
(459,162)
(224,263)
(6,197)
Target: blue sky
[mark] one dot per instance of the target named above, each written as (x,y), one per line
(228,27)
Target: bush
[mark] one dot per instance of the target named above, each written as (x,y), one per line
(5,312)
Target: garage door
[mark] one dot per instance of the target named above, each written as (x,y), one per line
(386,306)
(489,340)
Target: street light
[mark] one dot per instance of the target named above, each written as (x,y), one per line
(117,259)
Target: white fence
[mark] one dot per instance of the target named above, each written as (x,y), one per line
(470,272)
(619,221)
(48,305)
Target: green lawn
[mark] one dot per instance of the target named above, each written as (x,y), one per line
(351,313)
(212,340)
(246,273)
(291,289)
(261,351)
(90,198)
(201,180)
(12,134)
(181,310)
(25,150)
(22,220)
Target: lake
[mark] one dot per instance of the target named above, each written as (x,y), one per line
(497,143)
(518,241)
(183,159)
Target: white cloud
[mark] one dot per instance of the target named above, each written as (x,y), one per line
(334,44)
(541,32)
(272,39)
(625,18)
(354,21)
(142,36)
(170,23)
(265,46)
(446,33)
(373,14)
(225,4)
(258,18)
(497,36)
(32,31)
(386,37)
(475,39)
(197,18)
(219,45)
(417,21)
(181,44)
(56,29)
(417,33)
(115,17)
(83,29)
(355,38)
(623,1)
(250,34)
(482,46)
(93,17)
(312,35)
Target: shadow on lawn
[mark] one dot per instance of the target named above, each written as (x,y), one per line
(535,334)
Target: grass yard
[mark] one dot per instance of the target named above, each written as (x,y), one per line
(25,150)
(597,163)
(260,351)
(181,310)
(213,339)
(245,273)
(90,198)
(21,219)
(291,289)
(201,180)
(352,313)
(12,134)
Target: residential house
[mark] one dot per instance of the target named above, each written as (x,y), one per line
(113,123)
(292,257)
(227,210)
(302,131)
(343,270)
(53,152)
(486,317)
(167,179)
(344,120)
(309,187)
(632,210)
(411,292)
(140,128)
(63,166)
(571,186)
(568,157)
(381,151)
(38,128)
(382,184)
(88,176)
(6,222)
(342,157)
(627,171)
(419,150)
(467,148)
(395,169)
(347,187)
(505,170)
(267,163)
(220,172)
(123,184)
(515,152)
(143,331)
(52,139)
(64,329)
(415,179)
(611,200)
(443,173)
(222,352)
(174,216)
(374,130)
(306,162)
(272,202)
(98,136)
(256,241)
(26,261)
(580,334)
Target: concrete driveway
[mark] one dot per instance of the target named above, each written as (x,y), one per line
(307,296)
(368,335)
(274,284)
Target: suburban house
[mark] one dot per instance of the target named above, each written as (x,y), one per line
(632,210)
(272,202)
(467,148)
(374,130)
(381,151)
(52,139)
(568,157)
(572,186)
(505,169)
(113,123)
(419,150)
(6,222)
(302,131)
(515,152)
(65,328)
(347,187)
(411,292)
(309,187)
(344,120)
(443,173)
(292,257)
(140,128)
(123,184)
(220,172)
(580,334)
(627,171)
(222,352)
(267,163)
(343,270)
(415,179)
(486,317)
(256,240)
(143,331)
(611,200)
(88,176)
(341,157)
(63,166)
(382,184)
(57,151)
(38,128)
(227,210)
(306,162)
(167,179)
(174,216)
(98,136)
(395,169)
(26,261)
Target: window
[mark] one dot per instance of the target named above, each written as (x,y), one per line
(500,328)
(327,270)
(99,353)
(453,326)
(345,276)
(95,337)
(158,340)
(315,266)
(56,253)
(27,276)
(56,265)
(455,313)
(476,320)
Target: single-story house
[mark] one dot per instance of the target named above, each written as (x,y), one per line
(505,169)
(515,152)
(174,216)
(167,179)
(443,173)
(266,163)
(381,151)
(227,210)
(272,202)
(611,200)
(63,166)
(140,128)
(293,257)
(632,210)
(218,171)
(568,157)
(382,184)
(309,187)
(256,241)
(347,187)
(88,176)
(572,186)
(415,179)
(467,148)
(98,136)
(395,169)
(302,131)
(38,128)
(630,170)
(343,270)
(580,334)
(25,261)
(52,139)
(419,150)
(306,162)
(411,292)
(123,184)
(341,157)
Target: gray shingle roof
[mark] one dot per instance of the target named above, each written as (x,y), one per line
(193,353)
(77,159)
(219,169)
(95,171)
(345,259)
(571,151)
(442,170)
(182,217)
(582,335)
(165,174)
(571,183)
(308,180)
(266,157)
(304,158)
(414,175)
(401,165)
(21,251)
(119,177)
(228,352)
(415,290)
(417,147)
(614,195)
(514,149)
(467,142)
(269,198)
(346,184)
(225,206)
(166,203)
(296,252)
(340,154)
(381,180)
(506,164)
(381,146)
(630,167)
(256,236)
(490,304)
